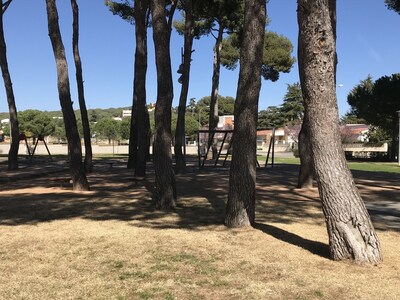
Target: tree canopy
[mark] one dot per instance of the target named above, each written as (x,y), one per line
(35,123)
(107,128)
(277,54)
(221,13)
(393,5)
(293,107)
(351,118)
(123,9)
(271,117)
(377,102)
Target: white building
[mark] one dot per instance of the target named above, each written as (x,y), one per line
(126,113)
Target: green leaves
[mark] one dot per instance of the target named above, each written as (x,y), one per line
(393,5)
(107,128)
(35,123)
(377,102)
(123,9)
(277,55)
(293,107)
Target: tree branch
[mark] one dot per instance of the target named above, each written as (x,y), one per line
(5,6)
(171,14)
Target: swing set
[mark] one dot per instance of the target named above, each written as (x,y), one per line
(31,152)
(210,139)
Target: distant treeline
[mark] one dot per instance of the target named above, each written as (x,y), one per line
(95,113)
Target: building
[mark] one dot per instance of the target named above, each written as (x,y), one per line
(5,121)
(226,122)
(126,113)
(354,133)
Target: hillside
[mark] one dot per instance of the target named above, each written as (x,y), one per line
(98,112)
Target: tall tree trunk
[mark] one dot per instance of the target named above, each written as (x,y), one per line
(394,150)
(213,117)
(142,115)
(351,233)
(165,197)
(78,176)
(187,57)
(14,147)
(81,94)
(306,174)
(133,135)
(240,209)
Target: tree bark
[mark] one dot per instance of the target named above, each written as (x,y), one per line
(14,147)
(133,136)
(78,176)
(240,209)
(306,174)
(142,115)
(213,117)
(180,162)
(81,94)
(394,145)
(351,233)
(165,197)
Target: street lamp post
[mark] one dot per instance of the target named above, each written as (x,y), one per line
(398,154)
(199,120)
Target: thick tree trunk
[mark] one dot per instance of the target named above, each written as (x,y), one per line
(213,117)
(142,115)
(165,197)
(78,176)
(240,209)
(351,233)
(81,94)
(306,174)
(13,152)
(180,162)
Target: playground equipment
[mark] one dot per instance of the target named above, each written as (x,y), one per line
(31,152)
(22,137)
(212,139)
(41,138)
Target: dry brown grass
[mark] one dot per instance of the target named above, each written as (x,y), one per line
(110,244)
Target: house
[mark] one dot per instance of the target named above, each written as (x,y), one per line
(353,133)
(126,113)
(282,139)
(226,122)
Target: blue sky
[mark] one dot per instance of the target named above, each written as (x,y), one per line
(367,43)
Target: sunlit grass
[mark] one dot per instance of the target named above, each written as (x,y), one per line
(375,166)
(390,167)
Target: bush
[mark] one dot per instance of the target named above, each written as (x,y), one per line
(348,154)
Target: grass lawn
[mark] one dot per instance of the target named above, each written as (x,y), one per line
(109,243)
(390,167)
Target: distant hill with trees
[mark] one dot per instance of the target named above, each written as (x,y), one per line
(96,113)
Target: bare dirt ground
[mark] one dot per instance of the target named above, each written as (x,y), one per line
(109,243)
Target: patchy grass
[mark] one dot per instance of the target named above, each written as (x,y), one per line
(110,244)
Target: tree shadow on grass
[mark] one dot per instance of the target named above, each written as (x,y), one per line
(202,196)
(314,247)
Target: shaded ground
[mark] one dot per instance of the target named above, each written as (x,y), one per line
(109,243)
